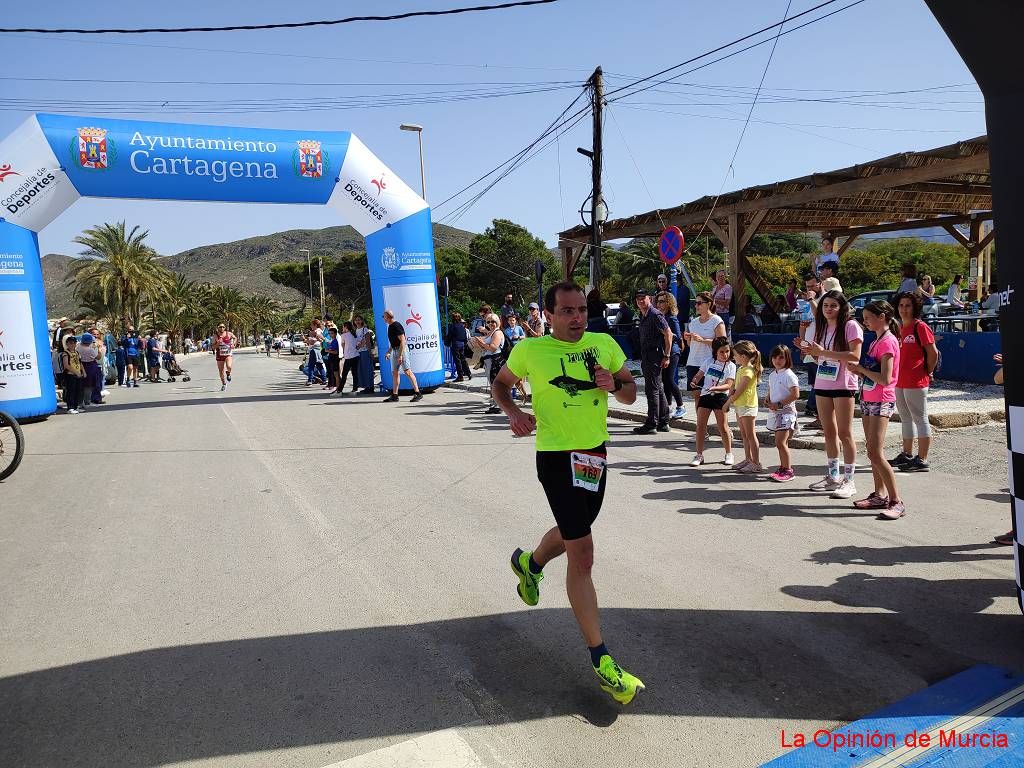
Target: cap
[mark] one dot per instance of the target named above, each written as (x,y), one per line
(88,338)
(534,305)
(663,277)
(641,292)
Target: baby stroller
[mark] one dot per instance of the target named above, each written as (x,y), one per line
(173,369)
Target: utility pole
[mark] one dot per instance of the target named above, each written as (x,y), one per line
(598,210)
(323,309)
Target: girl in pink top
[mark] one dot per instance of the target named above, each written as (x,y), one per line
(878,402)
(834,344)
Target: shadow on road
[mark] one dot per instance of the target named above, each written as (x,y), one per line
(224,698)
(889,556)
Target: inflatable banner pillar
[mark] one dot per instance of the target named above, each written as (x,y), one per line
(50,161)
(26,369)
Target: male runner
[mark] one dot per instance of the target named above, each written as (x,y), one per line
(571,373)
(398,354)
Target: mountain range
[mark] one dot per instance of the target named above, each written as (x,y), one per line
(243,264)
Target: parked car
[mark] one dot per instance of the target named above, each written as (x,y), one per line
(298,345)
(286,343)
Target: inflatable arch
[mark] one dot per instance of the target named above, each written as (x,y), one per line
(52,160)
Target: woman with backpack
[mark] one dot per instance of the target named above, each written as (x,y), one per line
(919,357)
(493,346)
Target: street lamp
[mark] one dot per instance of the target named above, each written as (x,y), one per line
(418,130)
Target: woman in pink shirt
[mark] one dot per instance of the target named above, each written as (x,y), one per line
(878,403)
(834,342)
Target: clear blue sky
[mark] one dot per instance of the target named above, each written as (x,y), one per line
(681,136)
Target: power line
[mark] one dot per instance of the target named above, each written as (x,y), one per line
(746,124)
(719,48)
(287,25)
(734,53)
(552,126)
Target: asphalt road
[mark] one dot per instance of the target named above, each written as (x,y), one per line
(266,577)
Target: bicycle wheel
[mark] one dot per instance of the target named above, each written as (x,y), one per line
(12,445)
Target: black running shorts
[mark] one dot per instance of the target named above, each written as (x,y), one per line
(574,506)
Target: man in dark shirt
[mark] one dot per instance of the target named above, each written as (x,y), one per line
(655,354)
(398,354)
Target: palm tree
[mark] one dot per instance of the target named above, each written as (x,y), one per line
(120,271)
(227,305)
(179,308)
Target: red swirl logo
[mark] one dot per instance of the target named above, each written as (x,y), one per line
(5,171)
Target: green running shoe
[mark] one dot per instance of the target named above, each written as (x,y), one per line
(529,582)
(616,681)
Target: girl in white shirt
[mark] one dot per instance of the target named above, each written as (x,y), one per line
(350,353)
(716,377)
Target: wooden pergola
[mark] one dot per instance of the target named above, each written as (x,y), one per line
(943,187)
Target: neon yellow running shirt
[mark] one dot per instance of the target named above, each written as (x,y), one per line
(571,411)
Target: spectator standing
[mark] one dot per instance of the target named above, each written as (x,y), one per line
(456,337)
(74,374)
(333,364)
(829,279)
(909,282)
(791,296)
(683,300)
(808,307)
(700,334)
(120,362)
(315,361)
(953,294)
(662,281)
(625,316)
(721,299)
(878,403)
(398,354)
(491,347)
(666,304)
(92,384)
(655,356)
(835,343)
(597,322)
(718,376)
(153,351)
(827,256)
(350,355)
(478,329)
(508,307)
(132,347)
(918,357)
(534,325)
(365,340)
(513,330)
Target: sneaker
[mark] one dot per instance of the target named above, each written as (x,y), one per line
(916,464)
(846,490)
(392,398)
(529,581)
(664,427)
(616,681)
(72,410)
(416,398)
(826,485)
(741,465)
(223,387)
(679,412)
(893,512)
(752,468)
(645,429)
(229,377)
(493,409)
(815,426)
(874,500)
(697,460)
(900,460)
(782,475)
(728,460)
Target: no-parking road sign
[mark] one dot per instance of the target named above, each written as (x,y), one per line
(671,245)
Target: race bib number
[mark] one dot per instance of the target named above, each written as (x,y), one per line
(828,370)
(224,349)
(587,469)
(868,384)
